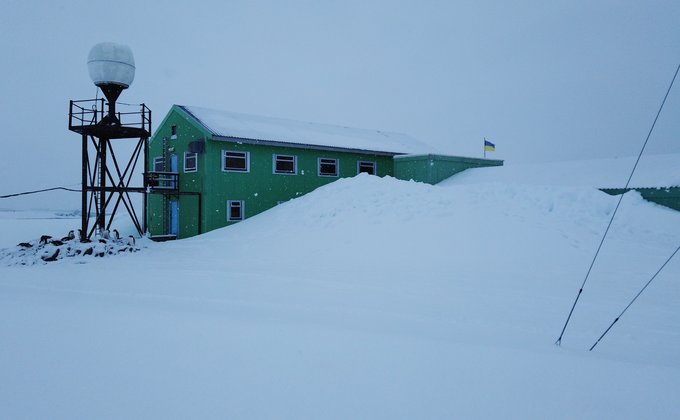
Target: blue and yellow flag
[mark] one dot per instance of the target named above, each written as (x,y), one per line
(488,146)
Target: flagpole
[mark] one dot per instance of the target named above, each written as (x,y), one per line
(484,147)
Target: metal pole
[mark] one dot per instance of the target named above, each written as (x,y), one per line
(84,210)
(101,223)
(146,170)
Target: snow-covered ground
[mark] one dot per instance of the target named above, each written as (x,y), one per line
(368,298)
(651,171)
(18,226)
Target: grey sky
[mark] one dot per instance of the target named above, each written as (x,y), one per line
(544,80)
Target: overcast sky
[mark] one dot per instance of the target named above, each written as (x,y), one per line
(543,80)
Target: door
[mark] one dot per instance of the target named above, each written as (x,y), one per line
(173,209)
(174,217)
(173,168)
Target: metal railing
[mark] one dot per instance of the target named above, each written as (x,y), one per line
(162,181)
(85,112)
(88,112)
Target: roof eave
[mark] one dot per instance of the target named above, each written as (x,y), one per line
(302,145)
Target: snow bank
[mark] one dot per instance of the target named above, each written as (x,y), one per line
(368,298)
(652,171)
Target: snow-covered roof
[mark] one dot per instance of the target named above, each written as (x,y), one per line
(231,125)
(655,171)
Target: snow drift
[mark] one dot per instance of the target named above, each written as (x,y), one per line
(368,298)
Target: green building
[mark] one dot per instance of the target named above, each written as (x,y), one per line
(207,169)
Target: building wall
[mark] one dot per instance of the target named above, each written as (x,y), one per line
(433,169)
(669,197)
(157,211)
(260,188)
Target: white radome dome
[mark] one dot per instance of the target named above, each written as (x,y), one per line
(110,63)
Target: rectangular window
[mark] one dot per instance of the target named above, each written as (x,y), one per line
(159,164)
(366,166)
(235,161)
(190,162)
(173,132)
(328,167)
(285,164)
(235,210)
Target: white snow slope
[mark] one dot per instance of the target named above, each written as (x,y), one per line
(368,298)
(660,171)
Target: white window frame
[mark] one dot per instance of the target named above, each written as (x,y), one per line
(337,167)
(224,161)
(195,168)
(242,204)
(275,156)
(372,162)
(156,160)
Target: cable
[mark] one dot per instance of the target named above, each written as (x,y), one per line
(592,263)
(636,296)
(39,191)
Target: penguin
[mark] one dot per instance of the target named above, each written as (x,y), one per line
(56,242)
(71,236)
(102,241)
(131,240)
(116,235)
(52,257)
(44,239)
(25,245)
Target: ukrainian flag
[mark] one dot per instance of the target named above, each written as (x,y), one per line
(488,146)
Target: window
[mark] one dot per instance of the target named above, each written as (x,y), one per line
(190,162)
(159,164)
(284,164)
(235,161)
(173,132)
(235,210)
(366,166)
(328,167)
